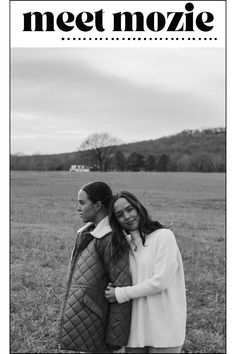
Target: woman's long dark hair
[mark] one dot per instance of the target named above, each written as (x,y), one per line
(119,242)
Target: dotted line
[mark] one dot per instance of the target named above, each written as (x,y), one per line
(136,39)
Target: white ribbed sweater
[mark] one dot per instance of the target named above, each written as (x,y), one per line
(158,292)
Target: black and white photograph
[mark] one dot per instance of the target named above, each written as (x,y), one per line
(117,195)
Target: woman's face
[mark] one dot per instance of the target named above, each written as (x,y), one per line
(86,208)
(126,215)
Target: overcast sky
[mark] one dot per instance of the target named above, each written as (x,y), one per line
(60,96)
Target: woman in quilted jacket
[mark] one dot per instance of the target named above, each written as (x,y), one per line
(88,322)
(158,317)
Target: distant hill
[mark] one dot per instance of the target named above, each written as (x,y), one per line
(187,142)
(190,150)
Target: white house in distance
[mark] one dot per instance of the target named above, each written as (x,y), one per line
(79,168)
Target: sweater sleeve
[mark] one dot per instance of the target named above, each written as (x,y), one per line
(165,267)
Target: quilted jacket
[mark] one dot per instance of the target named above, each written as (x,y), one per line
(88,321)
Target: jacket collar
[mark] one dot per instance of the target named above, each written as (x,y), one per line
(102,228)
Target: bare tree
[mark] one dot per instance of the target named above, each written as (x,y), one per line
(102,147)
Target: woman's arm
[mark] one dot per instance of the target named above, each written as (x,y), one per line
(165,267)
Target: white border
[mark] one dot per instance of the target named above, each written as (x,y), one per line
(95,38)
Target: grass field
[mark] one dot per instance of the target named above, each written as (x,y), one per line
(43,225)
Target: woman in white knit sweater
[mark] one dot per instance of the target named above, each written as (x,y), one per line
(158,291)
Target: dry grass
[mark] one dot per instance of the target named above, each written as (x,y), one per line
(43,225)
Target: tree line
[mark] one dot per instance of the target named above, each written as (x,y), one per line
(163,163)
(190,150)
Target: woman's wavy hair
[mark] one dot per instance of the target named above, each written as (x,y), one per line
(120,243)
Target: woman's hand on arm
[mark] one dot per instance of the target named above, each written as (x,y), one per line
(110,294)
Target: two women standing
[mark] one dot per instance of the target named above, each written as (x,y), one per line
(133,261)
